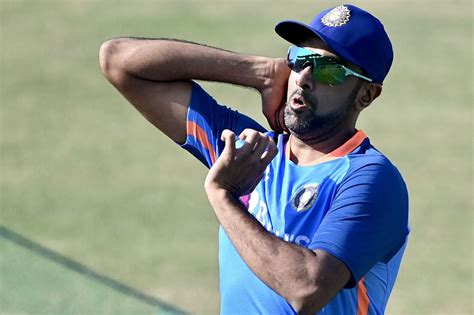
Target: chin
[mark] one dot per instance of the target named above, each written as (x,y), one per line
(301,129)
(299,123)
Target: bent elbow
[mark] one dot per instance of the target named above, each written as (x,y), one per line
(306,302)
(110,56)
(311,298)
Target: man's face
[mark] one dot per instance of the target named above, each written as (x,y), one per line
(314,109)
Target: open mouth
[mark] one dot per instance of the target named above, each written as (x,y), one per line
(297,102)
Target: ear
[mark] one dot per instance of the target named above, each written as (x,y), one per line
(367,94)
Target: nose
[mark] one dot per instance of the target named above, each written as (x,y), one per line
(305,78)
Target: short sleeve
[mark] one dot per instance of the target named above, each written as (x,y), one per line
(206,120)
(368,219)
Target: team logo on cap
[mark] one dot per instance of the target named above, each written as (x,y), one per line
(304,197)
(336,17)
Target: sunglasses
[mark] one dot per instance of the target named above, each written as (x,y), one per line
(325,69)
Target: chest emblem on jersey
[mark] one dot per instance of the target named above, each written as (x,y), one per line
(305,197)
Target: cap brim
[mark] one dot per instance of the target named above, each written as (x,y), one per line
(293,31)
(296,32)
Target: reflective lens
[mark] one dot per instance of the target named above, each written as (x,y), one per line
(325,69)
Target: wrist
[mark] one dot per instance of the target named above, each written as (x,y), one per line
(217,194)
(268,68)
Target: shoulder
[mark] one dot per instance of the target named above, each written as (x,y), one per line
(373,180)
(368,161)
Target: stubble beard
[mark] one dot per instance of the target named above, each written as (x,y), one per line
(311,125)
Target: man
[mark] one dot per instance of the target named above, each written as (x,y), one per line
(313,219)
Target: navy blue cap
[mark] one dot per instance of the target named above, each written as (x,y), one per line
(353,34)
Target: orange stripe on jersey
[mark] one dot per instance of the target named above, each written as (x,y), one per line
(362,298)
(197,132)
(349,146)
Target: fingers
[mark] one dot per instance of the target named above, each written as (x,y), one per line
(259,145)
(229,138)
(269,154)
(251,137)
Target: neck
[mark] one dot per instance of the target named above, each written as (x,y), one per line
(307,151)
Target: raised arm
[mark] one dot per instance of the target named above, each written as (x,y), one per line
(154,75)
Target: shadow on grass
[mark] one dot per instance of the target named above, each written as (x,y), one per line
(87,272)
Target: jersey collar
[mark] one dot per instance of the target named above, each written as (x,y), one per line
(349,146)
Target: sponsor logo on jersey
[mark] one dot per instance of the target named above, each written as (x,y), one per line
(258,208)
(305,197)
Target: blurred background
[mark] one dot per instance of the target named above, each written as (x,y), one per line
(85,176)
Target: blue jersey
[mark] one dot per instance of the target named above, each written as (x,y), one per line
(352,204)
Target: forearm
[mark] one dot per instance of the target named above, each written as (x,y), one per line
(172,60)
(288,269)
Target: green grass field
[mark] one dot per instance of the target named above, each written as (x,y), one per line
(83,174)
(53,284)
